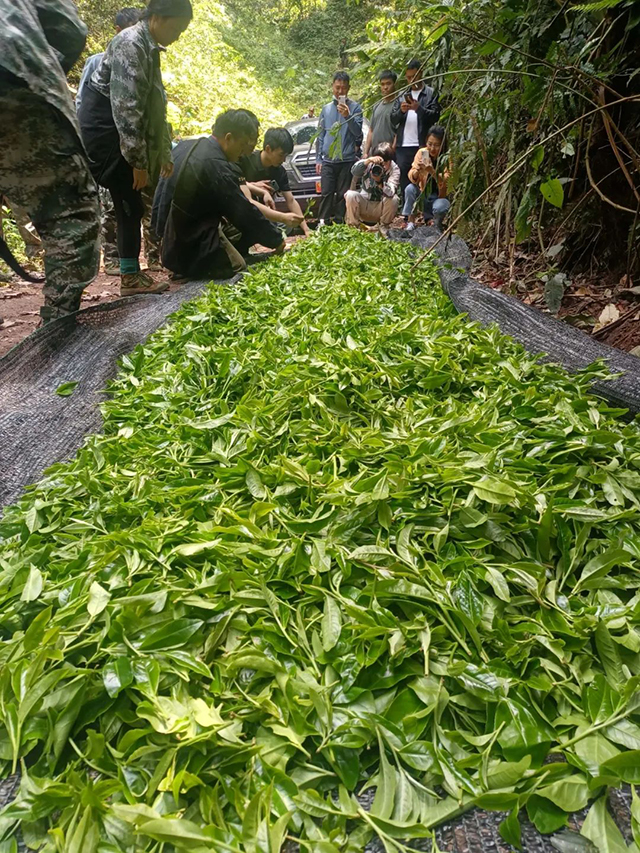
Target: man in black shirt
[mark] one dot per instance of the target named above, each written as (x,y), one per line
(266,166)
(192,208)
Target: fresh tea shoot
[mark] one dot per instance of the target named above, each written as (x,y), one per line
(337,546)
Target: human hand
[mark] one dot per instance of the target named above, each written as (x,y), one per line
(265,186)
(318,168)
(413,105)
(404,107)
(140,179)
(166,170)
(344,110)
(294,219)
(377,160)
(267,200)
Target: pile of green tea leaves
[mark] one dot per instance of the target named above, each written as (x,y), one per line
(342,564)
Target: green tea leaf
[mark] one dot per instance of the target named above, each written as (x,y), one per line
(66,389)
(331,623)
(33,586)
(494,491)
(98,599)
(600,829)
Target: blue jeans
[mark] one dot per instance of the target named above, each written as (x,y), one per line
(433,206)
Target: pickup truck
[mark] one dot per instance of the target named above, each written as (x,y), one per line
(301,164)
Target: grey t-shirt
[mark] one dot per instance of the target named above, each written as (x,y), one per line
(381,130)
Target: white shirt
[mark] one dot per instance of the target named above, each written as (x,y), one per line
(410,135)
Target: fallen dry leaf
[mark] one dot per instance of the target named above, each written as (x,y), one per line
(609,314)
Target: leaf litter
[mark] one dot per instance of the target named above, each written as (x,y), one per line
(333,538)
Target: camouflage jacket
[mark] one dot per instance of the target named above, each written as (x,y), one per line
(129,75)
(39,42)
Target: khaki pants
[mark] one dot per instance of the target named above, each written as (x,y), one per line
(361,209)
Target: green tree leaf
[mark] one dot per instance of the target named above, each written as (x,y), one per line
(553,192)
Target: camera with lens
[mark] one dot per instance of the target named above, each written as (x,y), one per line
(377,171)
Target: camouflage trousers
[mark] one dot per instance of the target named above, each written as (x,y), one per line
(109,230)
(43,169)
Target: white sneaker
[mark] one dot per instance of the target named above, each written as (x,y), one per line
(321,223)
(411,226)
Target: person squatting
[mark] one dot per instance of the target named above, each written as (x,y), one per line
(110,165)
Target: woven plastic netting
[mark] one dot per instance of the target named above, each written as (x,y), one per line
(38,426)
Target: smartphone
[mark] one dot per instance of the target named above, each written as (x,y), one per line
(408,97)
(342,99)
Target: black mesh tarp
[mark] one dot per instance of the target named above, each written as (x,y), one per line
(37,426)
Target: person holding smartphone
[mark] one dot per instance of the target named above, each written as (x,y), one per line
(414,112)
(429,180)
(337,148)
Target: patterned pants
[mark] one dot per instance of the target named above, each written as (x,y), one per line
(43,169)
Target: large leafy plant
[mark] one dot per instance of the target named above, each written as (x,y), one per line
(334,540)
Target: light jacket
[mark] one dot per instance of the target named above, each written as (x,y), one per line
(418,174)
(90,65)
(343,146)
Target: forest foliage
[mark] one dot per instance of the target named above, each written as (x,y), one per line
(275,59)
(538,104)
(543,131)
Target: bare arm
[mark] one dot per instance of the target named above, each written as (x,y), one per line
(269,213)
(367,144)
(296,210)
(259,189)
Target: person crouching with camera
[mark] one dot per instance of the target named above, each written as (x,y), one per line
(376,202)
